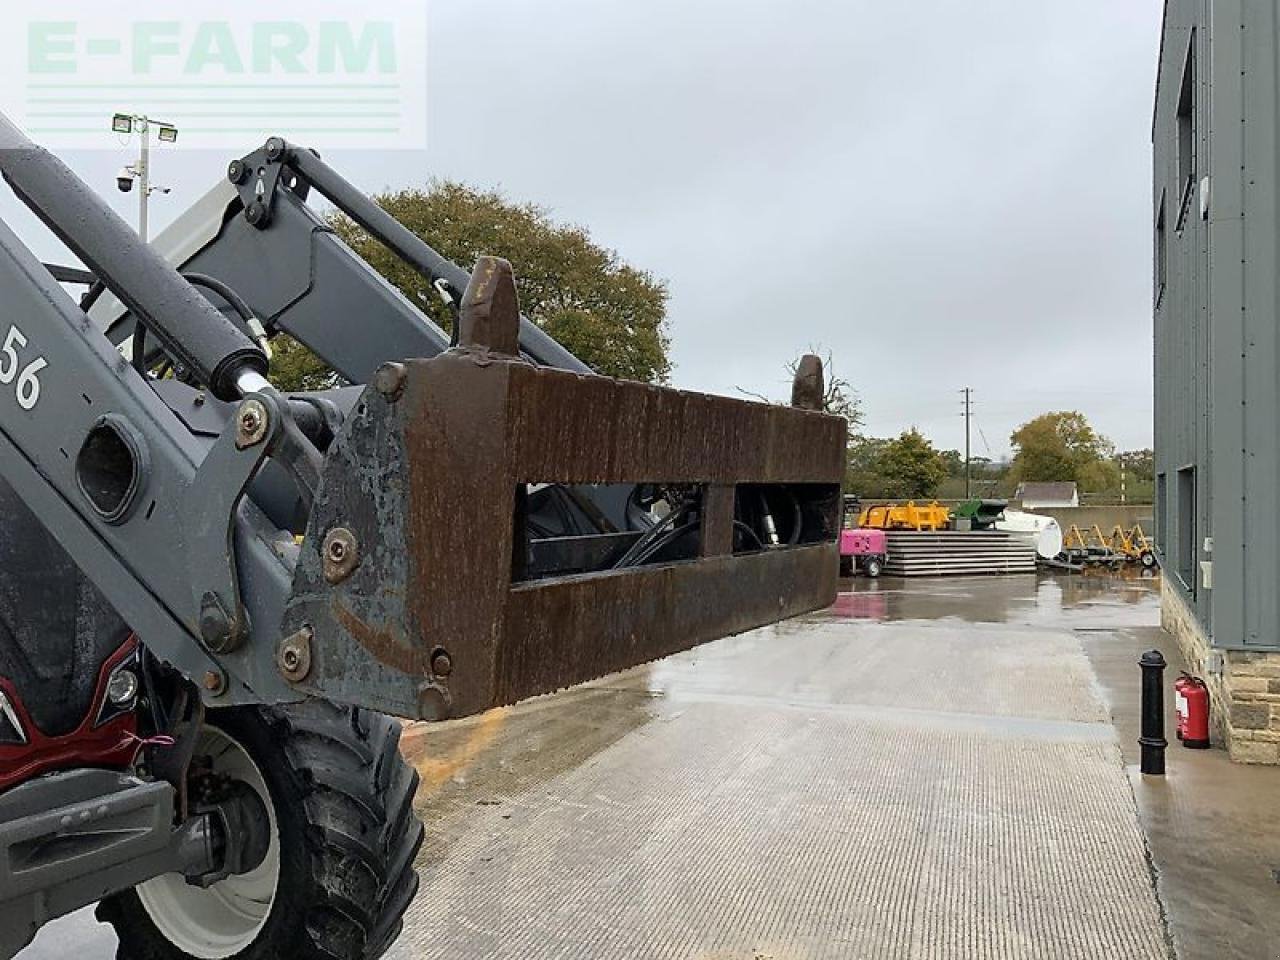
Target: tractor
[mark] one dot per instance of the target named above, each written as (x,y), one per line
(218,600)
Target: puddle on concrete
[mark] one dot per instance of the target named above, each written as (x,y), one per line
(1120,598)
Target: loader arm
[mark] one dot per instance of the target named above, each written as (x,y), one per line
(471,523)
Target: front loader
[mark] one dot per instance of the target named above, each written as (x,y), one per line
(214,596)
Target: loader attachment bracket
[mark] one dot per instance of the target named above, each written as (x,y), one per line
(211,503)
(427,483)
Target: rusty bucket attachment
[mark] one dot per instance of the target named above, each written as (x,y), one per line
(424,590)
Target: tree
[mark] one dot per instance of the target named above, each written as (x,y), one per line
(911,467)
(841,399)
(610,314)
(863,476)
(295,368)
(1060,446)
(1100,477)
(954,462)
(905,468)
(1129,476)
(1139,467)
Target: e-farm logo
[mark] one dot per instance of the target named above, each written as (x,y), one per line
(320,76)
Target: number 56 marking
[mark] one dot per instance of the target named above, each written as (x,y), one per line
(28,388)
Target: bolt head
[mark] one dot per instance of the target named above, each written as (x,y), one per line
(238,172)
(294,655)
(389,380)
(213,681)
(251,423)
(256,214)
(441,664)
(340,554)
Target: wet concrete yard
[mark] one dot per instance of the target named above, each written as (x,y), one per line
(930,769)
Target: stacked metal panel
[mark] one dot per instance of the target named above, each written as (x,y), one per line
(953,553)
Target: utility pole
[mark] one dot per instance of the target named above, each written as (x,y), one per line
(968,442)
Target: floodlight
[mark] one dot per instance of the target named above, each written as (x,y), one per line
(122,123)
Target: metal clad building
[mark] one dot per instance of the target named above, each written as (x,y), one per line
(1216,228)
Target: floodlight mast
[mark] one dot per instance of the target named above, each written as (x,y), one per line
(130,123)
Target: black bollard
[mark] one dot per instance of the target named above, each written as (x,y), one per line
(1152,739)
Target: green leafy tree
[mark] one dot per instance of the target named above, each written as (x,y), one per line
(911,467)
(954,461)
(1102,477)
(1060,446)
(863,476)
(610,314)
(1139,468)
(1140,465)
(905,468)
(295,368)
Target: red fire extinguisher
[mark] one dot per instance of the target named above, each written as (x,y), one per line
(1192,699)
(1180,703)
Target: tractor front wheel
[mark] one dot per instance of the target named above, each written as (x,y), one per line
(338,874)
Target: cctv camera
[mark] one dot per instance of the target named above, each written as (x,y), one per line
(124,180)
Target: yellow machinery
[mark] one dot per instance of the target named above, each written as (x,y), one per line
(1087,546)
(1074,542)
(908,516)
(1134,545)
(1093,546)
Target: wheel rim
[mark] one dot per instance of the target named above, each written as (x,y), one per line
(225,919)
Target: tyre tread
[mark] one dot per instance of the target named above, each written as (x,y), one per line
(360,839)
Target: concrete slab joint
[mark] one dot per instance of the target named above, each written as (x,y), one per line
(1245,694)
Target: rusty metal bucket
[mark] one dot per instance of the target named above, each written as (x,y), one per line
(412,594)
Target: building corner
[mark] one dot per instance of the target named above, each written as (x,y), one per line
(1244,686)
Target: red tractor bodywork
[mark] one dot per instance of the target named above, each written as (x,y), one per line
(111,744)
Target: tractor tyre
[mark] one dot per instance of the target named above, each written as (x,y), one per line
(338,875)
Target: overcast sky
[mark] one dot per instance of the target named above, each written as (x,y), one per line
(941,194)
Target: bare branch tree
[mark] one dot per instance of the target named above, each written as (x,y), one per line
(841,398)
